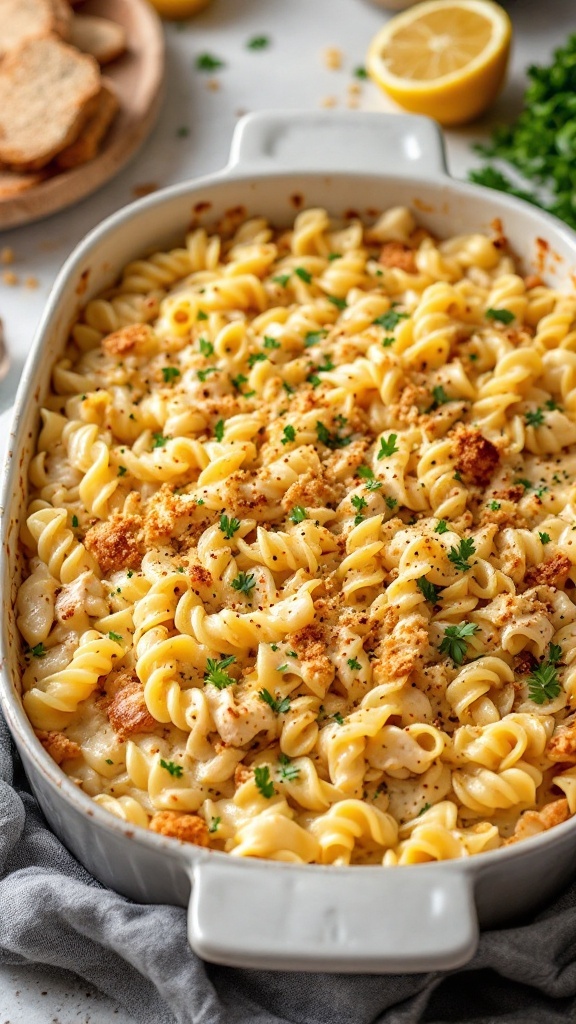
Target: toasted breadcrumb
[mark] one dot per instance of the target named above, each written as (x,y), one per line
(552,573)
(189,828)
(58,746)
(476,457)
(127,711)
(562,744)
(332,56)
(397,254)
(115,543)
(531,823)
(126,340)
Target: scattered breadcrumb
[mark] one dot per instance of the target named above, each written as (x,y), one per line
(31,282)
(212,84)
(329,101)
(10,278)
(354,89)
(332,58)
(352,103)
(7,256)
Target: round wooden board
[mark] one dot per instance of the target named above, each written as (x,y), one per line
(138,78)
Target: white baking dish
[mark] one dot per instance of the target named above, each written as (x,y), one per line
(246,912)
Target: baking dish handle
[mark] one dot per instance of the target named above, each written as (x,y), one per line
(261,914)
(344,141)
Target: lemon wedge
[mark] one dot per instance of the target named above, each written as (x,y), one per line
(443,58)
(179,8)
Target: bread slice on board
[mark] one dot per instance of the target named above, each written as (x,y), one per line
(88,142)
(104,39)
(21,20)
(48,90)
(13,184)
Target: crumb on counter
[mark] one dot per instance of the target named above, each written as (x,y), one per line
(329,101)
(10,278)
(332,57)
(31,282)
(7,256)
(212,84)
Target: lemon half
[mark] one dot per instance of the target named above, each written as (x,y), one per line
(443,58)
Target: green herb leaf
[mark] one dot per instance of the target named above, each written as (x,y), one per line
(534,418)
(339,303)
(219,430)
(391,502)
(388,447)
(543,683)
(288,772)
(206,347)
(214,823)
(331,440)
(455,642)
(201,315)
(442,527)
(360,72)
(303,274)
(338,718)
(288,435)
(459,556)
(75,522)
(390,319)
(208,62)
(313,337)
(117,637)
(270,343)
(176,770)
(545,538)
(216,672)
(263,781)
(170,374)
(279,706)
(428,589)
(258,43)
(244,582)
(229,526)
(359,504)
(298,514)
(122,471)
(282,279)
(354,664)
(38,651)
(494,506)
(440,398)
(204,374)
(159,440)
(503,316)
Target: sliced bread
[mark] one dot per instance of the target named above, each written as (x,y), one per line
(88,142)
(32,19)
(48,90)
(104,39)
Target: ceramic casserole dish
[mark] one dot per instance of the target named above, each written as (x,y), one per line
(243,911)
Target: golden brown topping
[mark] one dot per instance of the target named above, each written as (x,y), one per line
(531,823)
(127,711)
(200,576)
(58,746)
(562,745)
(115,543)
(396,254)
(552,573)
(189,828)
(126,340)
(476,457)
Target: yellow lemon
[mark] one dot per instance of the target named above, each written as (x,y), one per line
(179,8)
(443,58)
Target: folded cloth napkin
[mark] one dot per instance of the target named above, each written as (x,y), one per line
(52,912)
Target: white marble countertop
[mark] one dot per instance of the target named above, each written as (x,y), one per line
(290,74)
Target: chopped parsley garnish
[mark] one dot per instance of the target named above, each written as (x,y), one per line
(440,397)
(219,430)
(388,447)
(331,439)
(391,502)
(201,315)
(455,643)
(208,62)
(552,405)
(216,672)
(288,772)
(206,347)
(288,435)
(175,770)
(130,573)
(534,418)
(282,279)
(258,43)
(503,316)
(359,504)
(203,374)
(38,651)
(270,342)
(457,477)
(117,637)
(238,381)
(338,718)
(314,380)
(543,684)
(360,72)
(526,484)
(263,781)
(339,303)
(170,374)
(423,809)
(256,357)
(390,319)
(244,582)
(109,760)
(159,440)
(303,274)
(388,341)
(442,527)
(214,823)
(298,514)
(459,556)
(494,506)
(279,706)
(354,664)
(74,522)
(367,474)
(428,589)
(312,337)
(545,538)
(122,471)
(229,526)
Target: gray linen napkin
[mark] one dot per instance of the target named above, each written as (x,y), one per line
(52,912)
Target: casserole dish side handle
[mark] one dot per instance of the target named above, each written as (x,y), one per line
(348,141)
(261,914)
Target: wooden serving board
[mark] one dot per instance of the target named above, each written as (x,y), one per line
(138,78)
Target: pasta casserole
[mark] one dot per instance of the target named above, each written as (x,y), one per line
(300,551)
